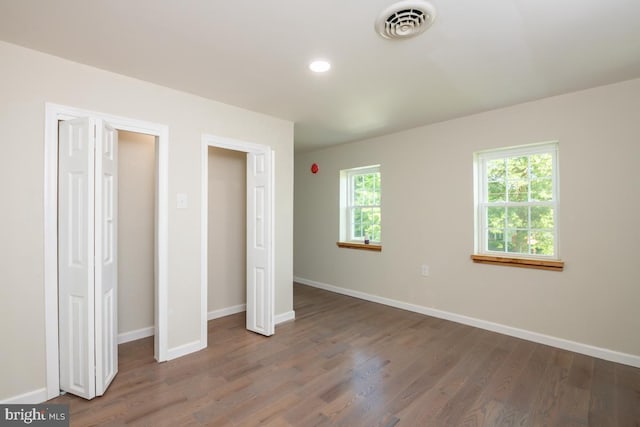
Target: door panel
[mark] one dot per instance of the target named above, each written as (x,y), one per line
(259,244)
(87,257)
(75,257)
(106,209)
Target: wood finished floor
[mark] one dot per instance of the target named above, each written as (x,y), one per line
(353,363)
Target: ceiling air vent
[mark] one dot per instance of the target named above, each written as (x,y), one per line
(405,19)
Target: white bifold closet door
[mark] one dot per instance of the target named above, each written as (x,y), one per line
(260,298)
(87,256)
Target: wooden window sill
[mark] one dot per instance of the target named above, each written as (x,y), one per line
(360,246)
(539,264)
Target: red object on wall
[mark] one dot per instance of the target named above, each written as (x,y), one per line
(314,168)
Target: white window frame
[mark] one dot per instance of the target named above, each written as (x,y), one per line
(346,198)
(481,196)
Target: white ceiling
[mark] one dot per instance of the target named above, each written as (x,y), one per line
(477,56)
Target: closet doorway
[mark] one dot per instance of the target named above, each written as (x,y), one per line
(259,243)
(77,349)
(227,231)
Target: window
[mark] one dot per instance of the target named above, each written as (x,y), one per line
(360,197)
(517,202)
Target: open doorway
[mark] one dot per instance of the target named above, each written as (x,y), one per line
(159,134)
(227,231)
(259,243)
(136,236)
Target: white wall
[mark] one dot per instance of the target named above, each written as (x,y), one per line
(29,79)
(427,217)
(136,231)
(227,228)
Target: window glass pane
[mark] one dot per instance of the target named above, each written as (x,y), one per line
(358,190)
(541,165)
(372,224)
(518,241)
(495,240)
(376,180)
(496,217)
(367,221)
(370,188)
(541,243)
(356,229)
(518,217)
(518,168)
(352,189)
(541,217)
(352,223)
(518,191)
(366,189)
(542,190)
(496,191)
(496,170)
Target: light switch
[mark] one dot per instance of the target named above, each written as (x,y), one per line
(181,199)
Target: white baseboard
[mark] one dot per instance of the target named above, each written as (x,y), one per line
(31,397)
(215,314)
(285,317)
(279,318)
(589,350)
(136,335)
(183,350)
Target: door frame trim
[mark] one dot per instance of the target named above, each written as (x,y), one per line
(53,113)
(246,147)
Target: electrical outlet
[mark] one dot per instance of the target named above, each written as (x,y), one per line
(424,270)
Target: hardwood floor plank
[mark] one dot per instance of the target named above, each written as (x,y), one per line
(574,406)
(348,362)
(429,375)
(501,385)
(545,410)
(602,408)
(306,407)
(581,371)
(462,401)
(443,382)
(627,395)
(529,383)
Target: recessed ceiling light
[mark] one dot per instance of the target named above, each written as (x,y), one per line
(320,66)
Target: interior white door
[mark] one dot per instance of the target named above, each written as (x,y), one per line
(87,256)
(106,264)
(260,298)
(76,257)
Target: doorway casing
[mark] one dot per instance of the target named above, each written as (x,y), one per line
(250,148)
(54,113)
